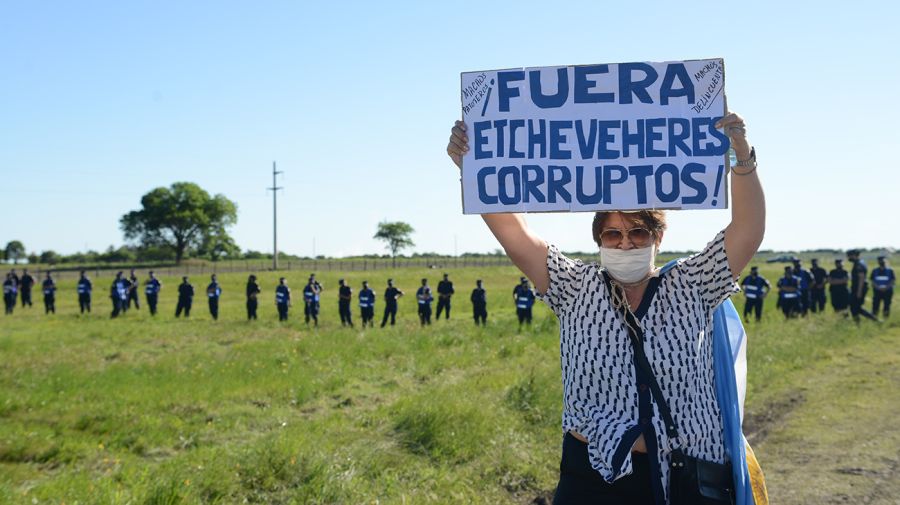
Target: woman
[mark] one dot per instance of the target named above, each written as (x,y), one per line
(616,448)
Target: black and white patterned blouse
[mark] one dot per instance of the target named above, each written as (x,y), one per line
(604,399)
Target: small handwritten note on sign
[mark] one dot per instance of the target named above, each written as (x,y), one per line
(620,136)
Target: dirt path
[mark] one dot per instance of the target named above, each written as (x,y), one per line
(836,438)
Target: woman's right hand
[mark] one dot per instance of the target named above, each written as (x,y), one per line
(459,143)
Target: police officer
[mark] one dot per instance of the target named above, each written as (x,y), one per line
(134,285)
(391,294)
(524,298)
(423,296)
(883,281)
(367,305)
(253,292)
(445,291)
(84,288)
(10,291)
(789,293)
(26,284)
(345,296)
(755,289)
(49,288)
(817,289)
(319,289)
(858,287)
(479,304)
(282,299)
(152,287)
(311,300)
(838,289)
(213,292)
(185,298)
(118,293)
(804,282)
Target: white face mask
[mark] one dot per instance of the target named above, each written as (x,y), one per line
(630,265)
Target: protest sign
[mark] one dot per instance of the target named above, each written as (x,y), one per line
(620,136)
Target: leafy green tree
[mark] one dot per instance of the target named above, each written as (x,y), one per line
(14,250)
(50,258)
(181,217)
(218,245)
(396,236)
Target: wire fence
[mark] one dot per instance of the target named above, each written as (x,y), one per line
(251,266)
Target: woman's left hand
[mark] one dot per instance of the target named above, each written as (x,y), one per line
(736,130)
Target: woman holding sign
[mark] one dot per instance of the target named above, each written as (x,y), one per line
(634,416)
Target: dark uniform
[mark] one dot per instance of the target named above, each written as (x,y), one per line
(49,288)
(152,288)
(10,291)
(185,298)
(755,290)
(282,300)
(391,294)
(345,297)
(524,297)
(423,296)
(311,301)
(253,292)
(479,304)
(84,293)
(367,305)
(213,292)
(817,290)
(858,287)
(837,287)
(804,282)
(26,284)
(883,281)
(133,291)
(118,293)
(445,292)
(789,293)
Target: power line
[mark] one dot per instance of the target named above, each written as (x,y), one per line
(274,189)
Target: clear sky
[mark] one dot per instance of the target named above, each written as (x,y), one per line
(102,101)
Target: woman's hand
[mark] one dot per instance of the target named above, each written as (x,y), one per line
(459,143)
(736,131)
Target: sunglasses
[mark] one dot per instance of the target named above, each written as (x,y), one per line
(639,237)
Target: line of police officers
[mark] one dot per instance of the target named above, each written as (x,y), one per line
(801,291)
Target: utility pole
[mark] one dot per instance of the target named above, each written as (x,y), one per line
(274,189)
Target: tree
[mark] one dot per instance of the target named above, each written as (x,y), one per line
(396,236)
(49,257)
(218,245)
(15,251)
(181,217)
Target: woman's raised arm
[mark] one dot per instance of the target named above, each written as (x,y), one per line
(526,250)
(748,204)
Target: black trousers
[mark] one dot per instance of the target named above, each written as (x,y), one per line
(368,315)
(803,301)
(311,310)
(479,312)
(754,305)
(152,300)
(580,484)
(840,298)
(789,306)
(49,304)
(282,311)
(817,299)
(857,306)
(252,304)
(524,315)
(184,304)
(879,297)
(26,297)
(118,306)
(84,302)
(344,311)
(443,303)
(9,303)
(390,309)
(214,307)
(424,313)
(133,297)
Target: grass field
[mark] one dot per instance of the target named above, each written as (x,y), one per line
(148,410)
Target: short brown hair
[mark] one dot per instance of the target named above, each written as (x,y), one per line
(653,220)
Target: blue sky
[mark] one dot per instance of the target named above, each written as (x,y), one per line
(102,101)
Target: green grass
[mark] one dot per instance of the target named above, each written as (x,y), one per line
(164,411)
